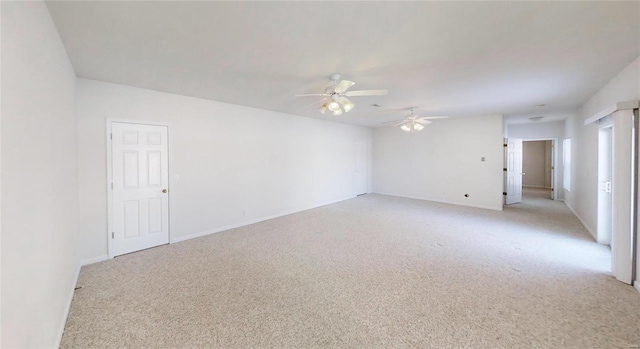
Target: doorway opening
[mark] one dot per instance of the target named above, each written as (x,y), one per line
(541,162)
(537,167)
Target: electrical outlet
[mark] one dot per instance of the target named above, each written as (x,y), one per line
(482,159)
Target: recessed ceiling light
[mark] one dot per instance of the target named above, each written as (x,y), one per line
(536,118)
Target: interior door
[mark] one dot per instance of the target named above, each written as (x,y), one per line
(140,175)
(514,171)
(361,167)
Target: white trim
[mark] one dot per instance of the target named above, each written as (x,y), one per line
(68,307)
(108,187)
(441,201)
(539,139)
(593,235)
(169,126)
(612,109)
(94,260)
(604,200)
(606,121)
(623,140)
(253,221)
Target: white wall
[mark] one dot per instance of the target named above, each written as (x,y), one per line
(39,178)
(533,164)
(229,158)
(442,162)
(584,172)
(538,130)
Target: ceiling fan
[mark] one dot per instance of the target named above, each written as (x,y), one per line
(335,96)
(413,122)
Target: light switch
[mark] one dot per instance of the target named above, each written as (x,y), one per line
(482,159)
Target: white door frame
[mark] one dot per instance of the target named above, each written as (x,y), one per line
(635,238)
(109,122)
(554,163)
(623,195)
(604,218)
(624,187)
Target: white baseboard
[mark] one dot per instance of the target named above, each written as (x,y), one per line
(253,221)
(595,237)
(68,307)
(94,260)
(73,290)
(442,201)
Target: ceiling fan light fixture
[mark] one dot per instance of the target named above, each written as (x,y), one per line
(337,112)
(414,123)
(347,105)
(333,106)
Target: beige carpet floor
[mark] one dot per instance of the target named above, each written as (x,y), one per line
(372,272)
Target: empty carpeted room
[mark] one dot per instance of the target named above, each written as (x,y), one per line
(203,174)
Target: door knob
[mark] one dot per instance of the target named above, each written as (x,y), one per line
(164,190)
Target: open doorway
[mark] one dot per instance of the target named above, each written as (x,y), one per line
(537,167)
(536,173)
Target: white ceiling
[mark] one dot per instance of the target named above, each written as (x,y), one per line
(447,58)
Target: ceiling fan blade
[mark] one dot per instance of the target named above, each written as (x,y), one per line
(366,93)
(391,122)
(312,94)
(432,117)
(424,122)
(312,104)
(343,86)
(400,123)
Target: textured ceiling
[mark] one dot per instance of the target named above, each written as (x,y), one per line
(460,59)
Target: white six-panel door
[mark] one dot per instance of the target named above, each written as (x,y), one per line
(514,171)
(140,176)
